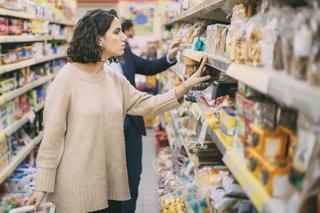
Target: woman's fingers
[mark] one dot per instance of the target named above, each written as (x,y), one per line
(36,200)
(37,204)
(205,78)
(31,201)
(203,63)
(198,80)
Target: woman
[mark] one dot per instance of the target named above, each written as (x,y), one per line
(81,160)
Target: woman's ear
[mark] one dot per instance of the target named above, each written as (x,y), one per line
(100,43)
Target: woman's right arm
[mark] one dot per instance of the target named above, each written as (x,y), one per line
(52,145)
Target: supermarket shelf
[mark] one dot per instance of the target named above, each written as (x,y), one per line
(257,78)
(15,93)
(215,134)
(282,87)
(20,157)
(30,38)
(296,93)
(38,107)
(60,38)
(208,9)
(257,194)
(25,15)
(195,55)
(26,38)
(18,124)
(62,22)
(25,119)
(29,62)
(217,62)
(279,85)
(222,148)
(17,14)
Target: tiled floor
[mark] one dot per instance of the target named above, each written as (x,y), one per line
(148,201)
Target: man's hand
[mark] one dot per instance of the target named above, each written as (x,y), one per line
(173,49)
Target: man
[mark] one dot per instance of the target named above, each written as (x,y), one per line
(134,125)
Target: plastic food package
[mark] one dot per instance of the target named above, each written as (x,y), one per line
(272,174)
(313,74)
(305,149)
(287,33)
(269,144)
(238,22)
(216,38)
(302,45)
(254,36)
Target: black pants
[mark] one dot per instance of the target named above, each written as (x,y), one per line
(114,207)
(133,141)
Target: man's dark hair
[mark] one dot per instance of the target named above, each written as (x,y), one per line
(127,24)
(84,47)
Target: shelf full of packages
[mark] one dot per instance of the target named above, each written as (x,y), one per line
(289,85)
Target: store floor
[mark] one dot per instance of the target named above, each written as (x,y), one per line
(148,201)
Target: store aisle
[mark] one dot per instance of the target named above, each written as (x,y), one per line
(148,201)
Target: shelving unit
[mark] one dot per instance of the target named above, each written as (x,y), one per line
(249,183)
(29,62)
(25,119)
(4,174)
(17,92)
(279,85)
(25,15)
(49,43)
(208,9)
(30,38)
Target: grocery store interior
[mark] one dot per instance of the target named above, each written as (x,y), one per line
(245,141)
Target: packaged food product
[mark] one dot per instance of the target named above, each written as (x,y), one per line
(222,88)
(254,35)
(313,72)
(262,112)
(304,151)
(228,120)
(302,45)
(269,144)
(237,27)
(3,26)
(216,38)
(273,175)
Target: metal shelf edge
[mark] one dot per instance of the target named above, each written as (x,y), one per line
(19,158)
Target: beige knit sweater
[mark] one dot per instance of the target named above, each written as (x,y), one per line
(81,161)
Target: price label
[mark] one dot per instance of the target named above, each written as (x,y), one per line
(203,133)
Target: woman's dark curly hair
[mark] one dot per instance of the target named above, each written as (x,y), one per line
(84,47)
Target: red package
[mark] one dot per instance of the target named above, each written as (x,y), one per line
(3,26)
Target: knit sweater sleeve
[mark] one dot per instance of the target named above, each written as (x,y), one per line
(141,103)
(55,125)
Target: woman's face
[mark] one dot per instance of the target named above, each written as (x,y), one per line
(114,40)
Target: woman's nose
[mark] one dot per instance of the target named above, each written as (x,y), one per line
(123,37)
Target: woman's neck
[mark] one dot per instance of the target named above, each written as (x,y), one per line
(90,68)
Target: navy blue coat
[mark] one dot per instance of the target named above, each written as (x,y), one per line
(134,64)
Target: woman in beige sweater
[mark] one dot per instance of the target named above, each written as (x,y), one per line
(81,161)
